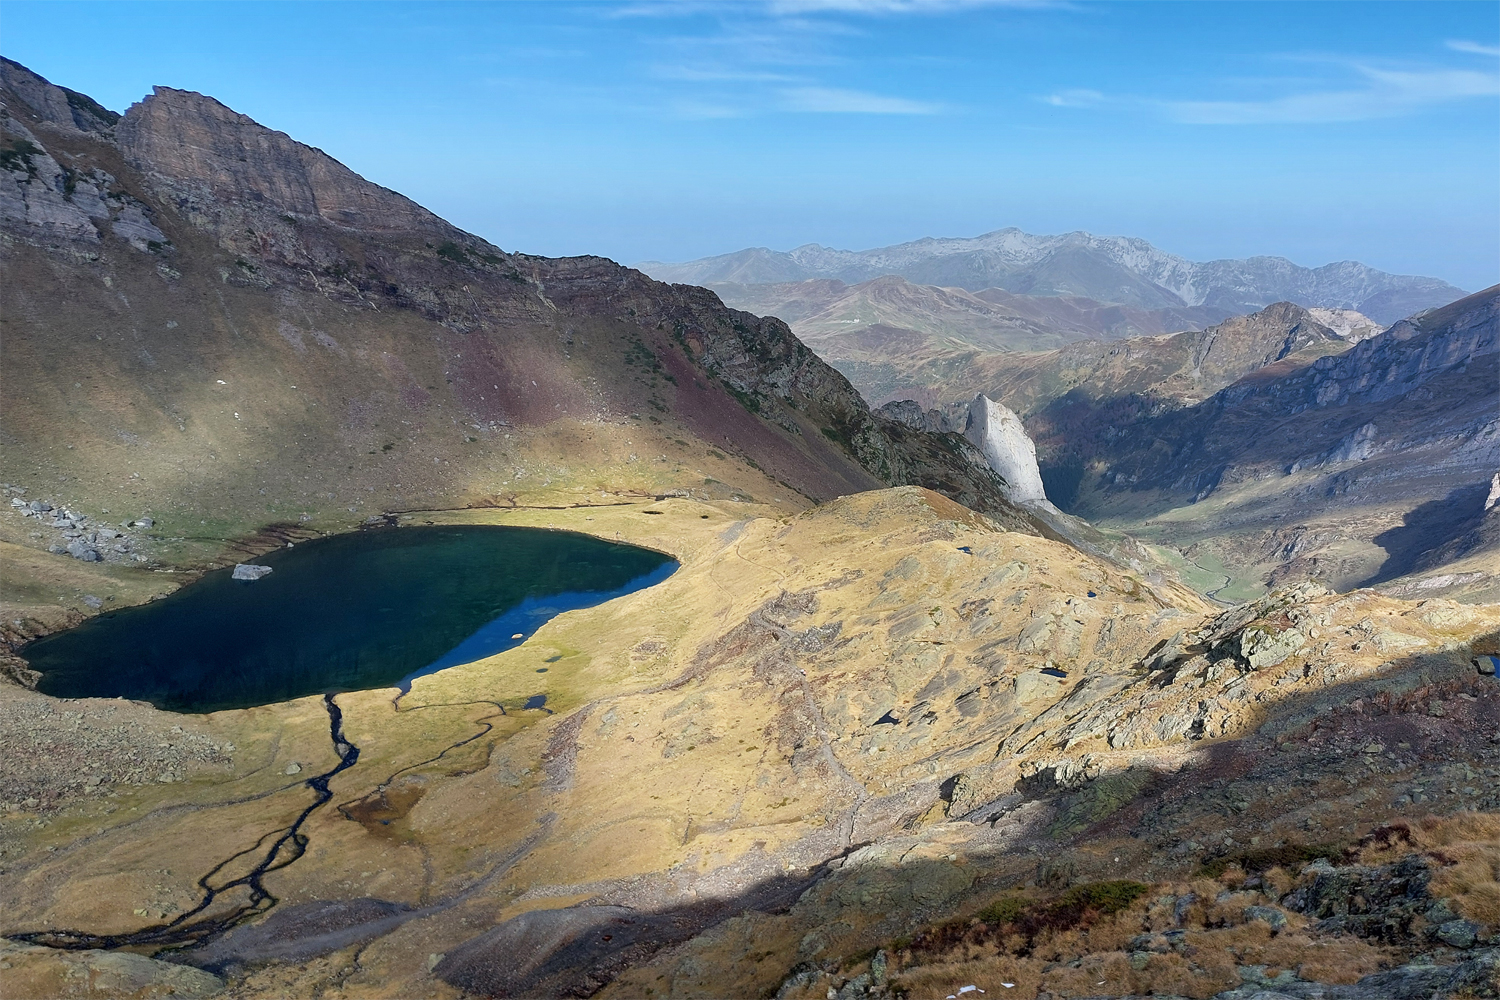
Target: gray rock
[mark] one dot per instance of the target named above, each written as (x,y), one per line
(250,571)
(1266,649)
(1180,908)
(1269,914)
(93,602)
(1440,912)
(801,980)
(1458,933)
(80,549)
(1476,977)
(143,522)
(855,987)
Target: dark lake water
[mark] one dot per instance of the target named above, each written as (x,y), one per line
(364,610)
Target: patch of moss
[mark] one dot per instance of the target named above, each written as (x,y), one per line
(1098,800)
(1005,910)
(1017,915)
(16,154)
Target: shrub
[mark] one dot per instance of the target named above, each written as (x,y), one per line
(452,251)
(1261,859)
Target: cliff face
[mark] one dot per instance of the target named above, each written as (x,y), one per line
(54,104)
(201,157)
(209,321)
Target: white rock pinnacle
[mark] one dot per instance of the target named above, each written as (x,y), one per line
(997,432)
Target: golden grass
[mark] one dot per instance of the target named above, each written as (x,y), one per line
(1094,957)
(1466,848)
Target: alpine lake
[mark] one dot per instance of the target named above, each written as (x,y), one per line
(351,612)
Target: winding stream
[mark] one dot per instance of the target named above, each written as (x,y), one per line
(287,845)
(352,612)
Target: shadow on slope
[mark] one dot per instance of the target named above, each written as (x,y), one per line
(1426,527)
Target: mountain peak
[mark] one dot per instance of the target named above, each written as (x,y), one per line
(211,156)
(58,105)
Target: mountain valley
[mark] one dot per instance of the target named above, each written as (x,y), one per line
(893,725)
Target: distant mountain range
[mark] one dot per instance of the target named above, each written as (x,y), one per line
(1108,269)
(890,316)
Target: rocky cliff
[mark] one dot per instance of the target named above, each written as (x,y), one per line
(209,162)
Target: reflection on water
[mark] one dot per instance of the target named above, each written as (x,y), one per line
(352,612)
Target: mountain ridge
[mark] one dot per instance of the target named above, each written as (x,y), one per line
(1125,270)
(258,334)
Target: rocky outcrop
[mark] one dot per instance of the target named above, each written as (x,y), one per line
(1224,353)
(998,433)
(54,104)
(1349,324)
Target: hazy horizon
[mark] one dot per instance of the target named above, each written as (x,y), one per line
(677,130)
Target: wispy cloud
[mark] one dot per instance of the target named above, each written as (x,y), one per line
(1384,94)
(1375,91)
(797,8)
(748,58)
(1076,99)
(833,100)
(701,74)
(700,110)
(1474,48)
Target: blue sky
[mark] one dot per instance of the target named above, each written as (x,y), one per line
(672,130)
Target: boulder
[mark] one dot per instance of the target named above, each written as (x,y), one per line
(1265,648)
(81,549)
(250,571)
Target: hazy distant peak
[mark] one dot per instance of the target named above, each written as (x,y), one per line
(1120,270)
